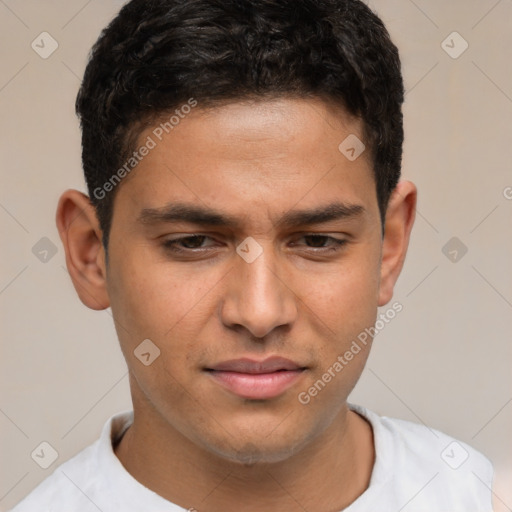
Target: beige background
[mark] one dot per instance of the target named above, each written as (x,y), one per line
(446,358)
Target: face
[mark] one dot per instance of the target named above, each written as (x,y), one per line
(247,248)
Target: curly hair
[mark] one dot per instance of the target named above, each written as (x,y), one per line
(157,54)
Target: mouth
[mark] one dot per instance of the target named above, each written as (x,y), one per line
(257,380)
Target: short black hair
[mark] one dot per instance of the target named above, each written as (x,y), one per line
(159,54)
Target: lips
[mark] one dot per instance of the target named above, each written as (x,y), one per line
(257,380)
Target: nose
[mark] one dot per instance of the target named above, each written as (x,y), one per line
(258,296)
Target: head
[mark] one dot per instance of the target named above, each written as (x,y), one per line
(227,217)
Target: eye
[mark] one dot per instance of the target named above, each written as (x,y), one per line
(323,243)
(194,244)
(186,244)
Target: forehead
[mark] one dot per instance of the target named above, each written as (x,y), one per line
(262,156)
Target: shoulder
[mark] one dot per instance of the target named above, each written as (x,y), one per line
(59,491)
(443,471)
(79,483)
(418,445)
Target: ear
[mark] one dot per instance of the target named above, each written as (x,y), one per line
(85,257)
(400,216)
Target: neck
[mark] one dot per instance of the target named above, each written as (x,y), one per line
(329,473)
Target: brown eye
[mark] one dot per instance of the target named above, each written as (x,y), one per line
(323,242)
(186,243)
(316,240)
(192,242)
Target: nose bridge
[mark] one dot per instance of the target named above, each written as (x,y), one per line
(257,297)
(261,277)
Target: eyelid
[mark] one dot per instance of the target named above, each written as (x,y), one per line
(335,245)
(334,240)
(172,242)
(185,236)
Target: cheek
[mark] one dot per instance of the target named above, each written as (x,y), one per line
(343,306)
(347,310)
(151,297)
(170,307)
(345,301)
(149,302)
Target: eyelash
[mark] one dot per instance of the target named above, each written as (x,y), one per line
(172,245)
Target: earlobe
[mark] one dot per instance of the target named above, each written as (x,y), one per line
(400,216)
(80,233)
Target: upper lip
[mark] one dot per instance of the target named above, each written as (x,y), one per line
(246,365)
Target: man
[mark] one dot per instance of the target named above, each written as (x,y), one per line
(245,220)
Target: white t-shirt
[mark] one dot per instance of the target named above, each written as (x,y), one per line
(417,469)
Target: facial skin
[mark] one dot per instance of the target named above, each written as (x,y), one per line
(304,298)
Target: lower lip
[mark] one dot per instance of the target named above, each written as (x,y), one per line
(257,386)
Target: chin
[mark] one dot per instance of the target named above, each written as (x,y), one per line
(258,449)
(250,455)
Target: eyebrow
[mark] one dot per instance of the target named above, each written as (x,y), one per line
(194,214)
